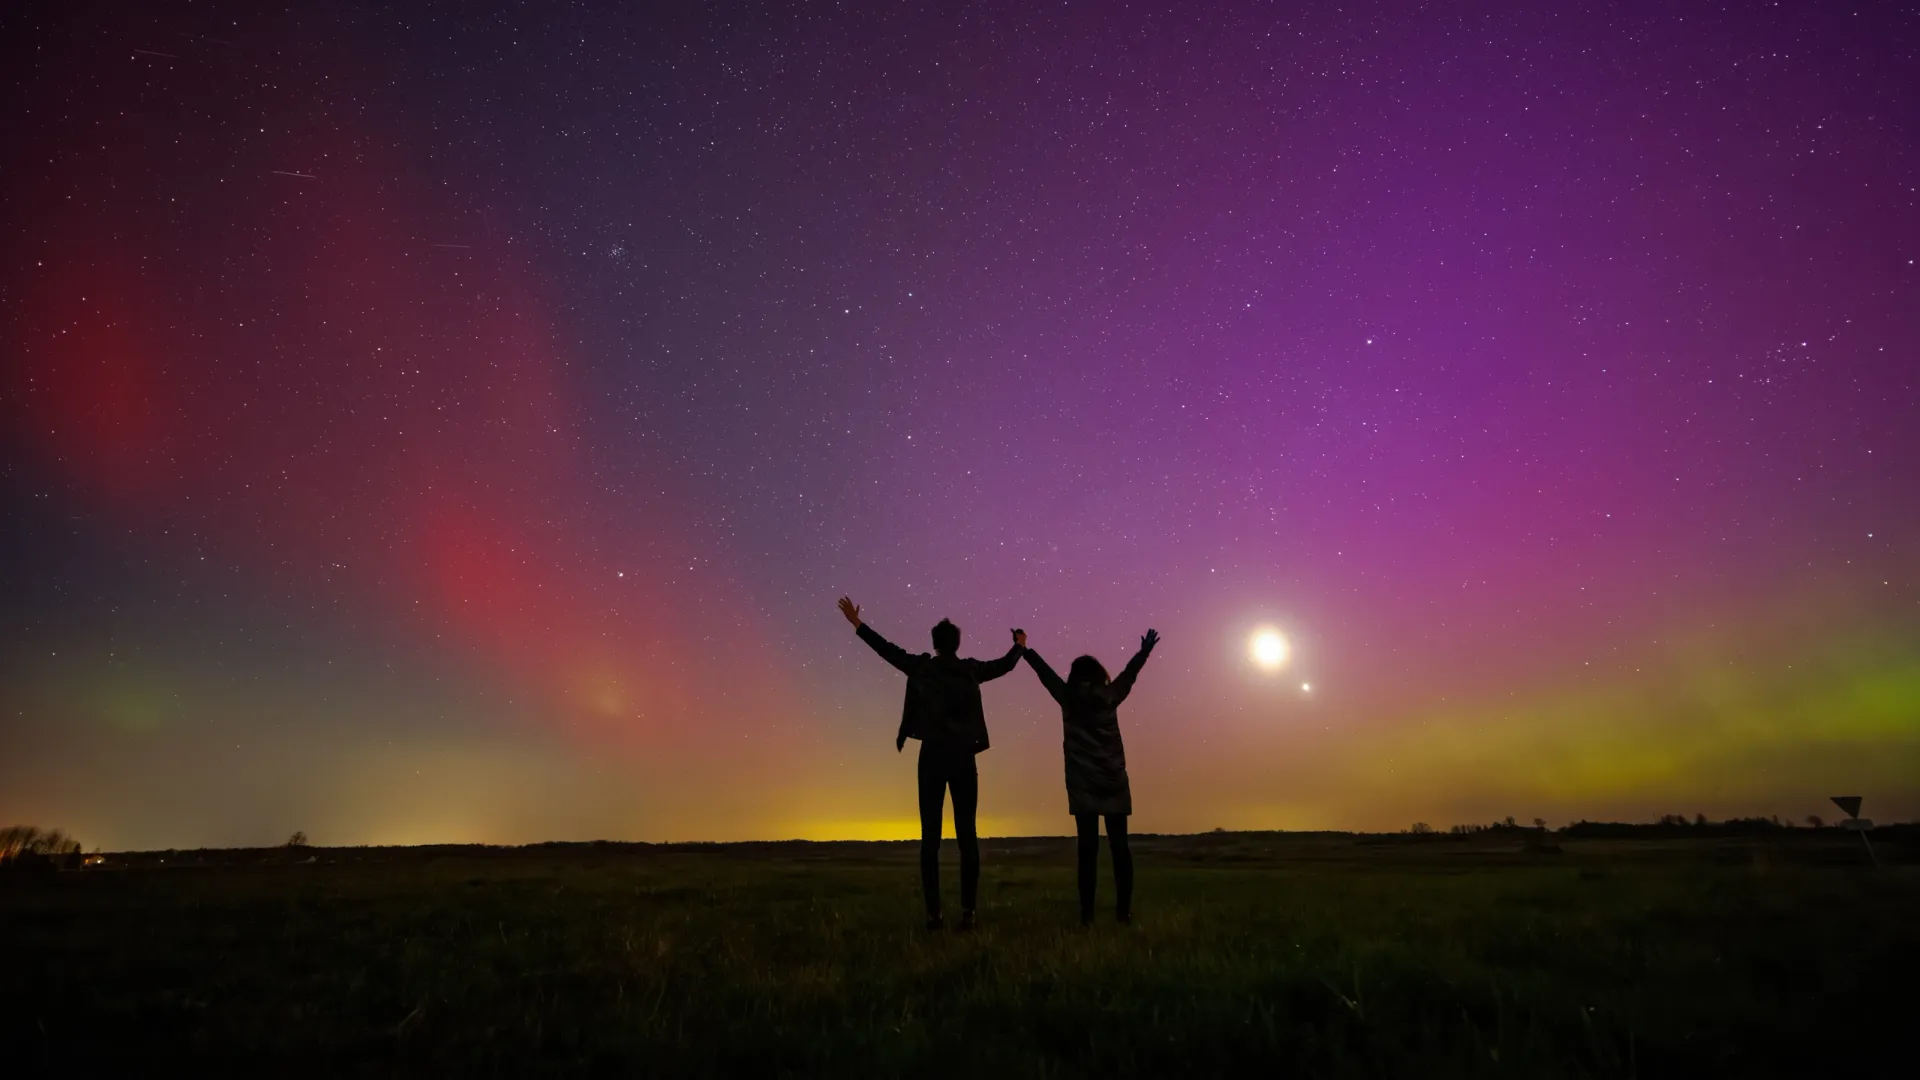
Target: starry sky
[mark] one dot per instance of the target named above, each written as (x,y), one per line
(429,422)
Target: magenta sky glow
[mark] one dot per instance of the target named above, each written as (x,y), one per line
(430,426)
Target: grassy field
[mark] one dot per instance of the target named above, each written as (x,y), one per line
(1282,954)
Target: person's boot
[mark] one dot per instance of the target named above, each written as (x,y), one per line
(966,921)
(1086,916)
(935,922)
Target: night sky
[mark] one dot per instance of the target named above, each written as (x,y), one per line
(421,423)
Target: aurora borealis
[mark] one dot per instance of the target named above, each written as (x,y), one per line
(430,424)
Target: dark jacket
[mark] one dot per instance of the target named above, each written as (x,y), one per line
(1089,717)
(943,693)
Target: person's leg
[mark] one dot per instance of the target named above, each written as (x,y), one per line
(1122,865)
(965,781)
(1089,826)
(933,793)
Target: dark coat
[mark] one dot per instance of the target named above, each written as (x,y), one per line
(1089,717)
(943,693)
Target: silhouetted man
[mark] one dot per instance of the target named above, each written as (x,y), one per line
(943,711)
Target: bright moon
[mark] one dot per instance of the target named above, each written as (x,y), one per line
(1268,649)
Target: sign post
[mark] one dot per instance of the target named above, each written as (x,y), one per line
(1851,805)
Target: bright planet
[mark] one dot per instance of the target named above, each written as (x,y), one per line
(1268,649)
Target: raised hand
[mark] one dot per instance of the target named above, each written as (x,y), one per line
(1148,640)
(1020,638)
(851,610)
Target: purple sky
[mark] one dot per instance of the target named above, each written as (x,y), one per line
(424,425)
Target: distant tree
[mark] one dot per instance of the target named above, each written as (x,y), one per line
(1420,828)
(15,839)
(28,845)
(1540,823)
(1700,820)
(298,839)
(1673,819)
(28,840)
(1509,822)
(1814,821)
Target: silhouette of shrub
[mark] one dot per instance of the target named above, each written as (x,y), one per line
(28,847)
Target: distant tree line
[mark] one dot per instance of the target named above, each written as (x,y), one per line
(1679,824)
(1667,824)
(1507,825)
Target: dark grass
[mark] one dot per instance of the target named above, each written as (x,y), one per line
(1275,954)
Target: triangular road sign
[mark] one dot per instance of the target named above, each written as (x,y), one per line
(1849,803)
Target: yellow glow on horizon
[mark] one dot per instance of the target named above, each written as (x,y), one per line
(896,828)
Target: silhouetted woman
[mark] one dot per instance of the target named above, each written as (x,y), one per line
(1097,765)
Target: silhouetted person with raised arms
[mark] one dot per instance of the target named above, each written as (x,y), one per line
(1097,765)
(943,711)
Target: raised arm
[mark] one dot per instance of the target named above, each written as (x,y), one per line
(1055,685)
(1123,685)
(989,670)
(891,653)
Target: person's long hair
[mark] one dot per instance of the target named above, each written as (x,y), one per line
(1086,670)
